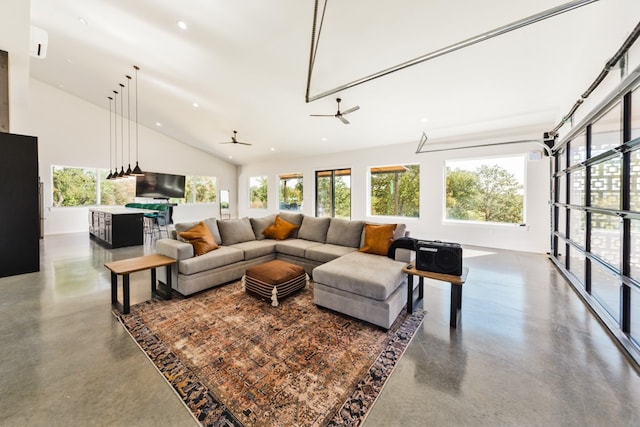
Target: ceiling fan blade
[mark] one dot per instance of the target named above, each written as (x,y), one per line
(345,121)
(351,110)
(322,115)
(243,143)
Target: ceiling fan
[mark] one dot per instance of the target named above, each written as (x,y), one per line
(234,140)
(339,115)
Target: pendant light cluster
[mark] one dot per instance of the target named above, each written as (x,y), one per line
(113,131)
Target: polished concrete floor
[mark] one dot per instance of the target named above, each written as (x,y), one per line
(527,352)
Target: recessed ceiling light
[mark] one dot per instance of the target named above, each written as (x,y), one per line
(182,25)
(158,124)
(82,21)
(70,61)
(231,157)
(273,149)
(324,139)
(195,104)
(424,120)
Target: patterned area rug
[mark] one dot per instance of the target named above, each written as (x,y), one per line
(237,361)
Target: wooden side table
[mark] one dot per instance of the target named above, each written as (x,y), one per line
(456,289)
(127,266)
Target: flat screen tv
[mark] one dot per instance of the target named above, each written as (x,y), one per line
(160,185)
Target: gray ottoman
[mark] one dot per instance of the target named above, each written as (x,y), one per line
(274,279)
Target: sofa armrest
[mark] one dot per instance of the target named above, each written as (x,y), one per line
(405,255)
(174,249)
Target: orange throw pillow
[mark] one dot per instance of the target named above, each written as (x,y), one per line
(280,229)
(377,238)
(201,238)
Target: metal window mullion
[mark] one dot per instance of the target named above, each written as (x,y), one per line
(625,291)
(587,203)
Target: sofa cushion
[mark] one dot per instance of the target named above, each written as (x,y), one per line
(256,248)
(293,218)
(327,252)
(314,229)
(209,222)
(280,230)
(371,276)
(235,231)
(201,239)
(377,238)
(260,224)
(344,233)
(295,247)
(222,256)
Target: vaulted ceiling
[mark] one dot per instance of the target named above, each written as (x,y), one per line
(245,65)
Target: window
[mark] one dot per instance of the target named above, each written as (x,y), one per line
(485,190)
(116,192)
(73,186)
(258,191)
(606,132)
(395,190)
(290,192)
(200,189)
(333,193)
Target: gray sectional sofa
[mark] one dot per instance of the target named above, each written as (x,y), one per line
(362,285)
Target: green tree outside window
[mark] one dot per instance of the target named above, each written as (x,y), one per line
(395,190)
(258,192)
(489,193)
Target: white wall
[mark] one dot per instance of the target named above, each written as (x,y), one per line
(73,132)
(15,24)
(534,237)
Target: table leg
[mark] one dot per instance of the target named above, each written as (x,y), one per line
(456,305)
(420,287)
(409,293)
(154,288)
(125,292)
(114,288)
(168,296)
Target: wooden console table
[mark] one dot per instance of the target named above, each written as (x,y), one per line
(456,289)
(127,266)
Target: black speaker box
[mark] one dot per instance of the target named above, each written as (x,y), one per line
(439,257)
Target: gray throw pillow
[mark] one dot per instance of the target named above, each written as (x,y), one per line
(235,231)
(314,229)
(293,218)
(345,233)
(212,224)
(259,224)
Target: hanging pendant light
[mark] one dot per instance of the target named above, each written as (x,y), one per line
(110,138)
(128,172)
(121,173)
(137,171)
(115,135)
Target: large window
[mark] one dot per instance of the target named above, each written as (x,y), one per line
(290,192)
(395,190)
(485,190)
(200,189)
(333,193)
(258,191)
(76,186)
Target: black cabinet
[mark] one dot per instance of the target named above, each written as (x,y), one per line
(116,227)
(19,215)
